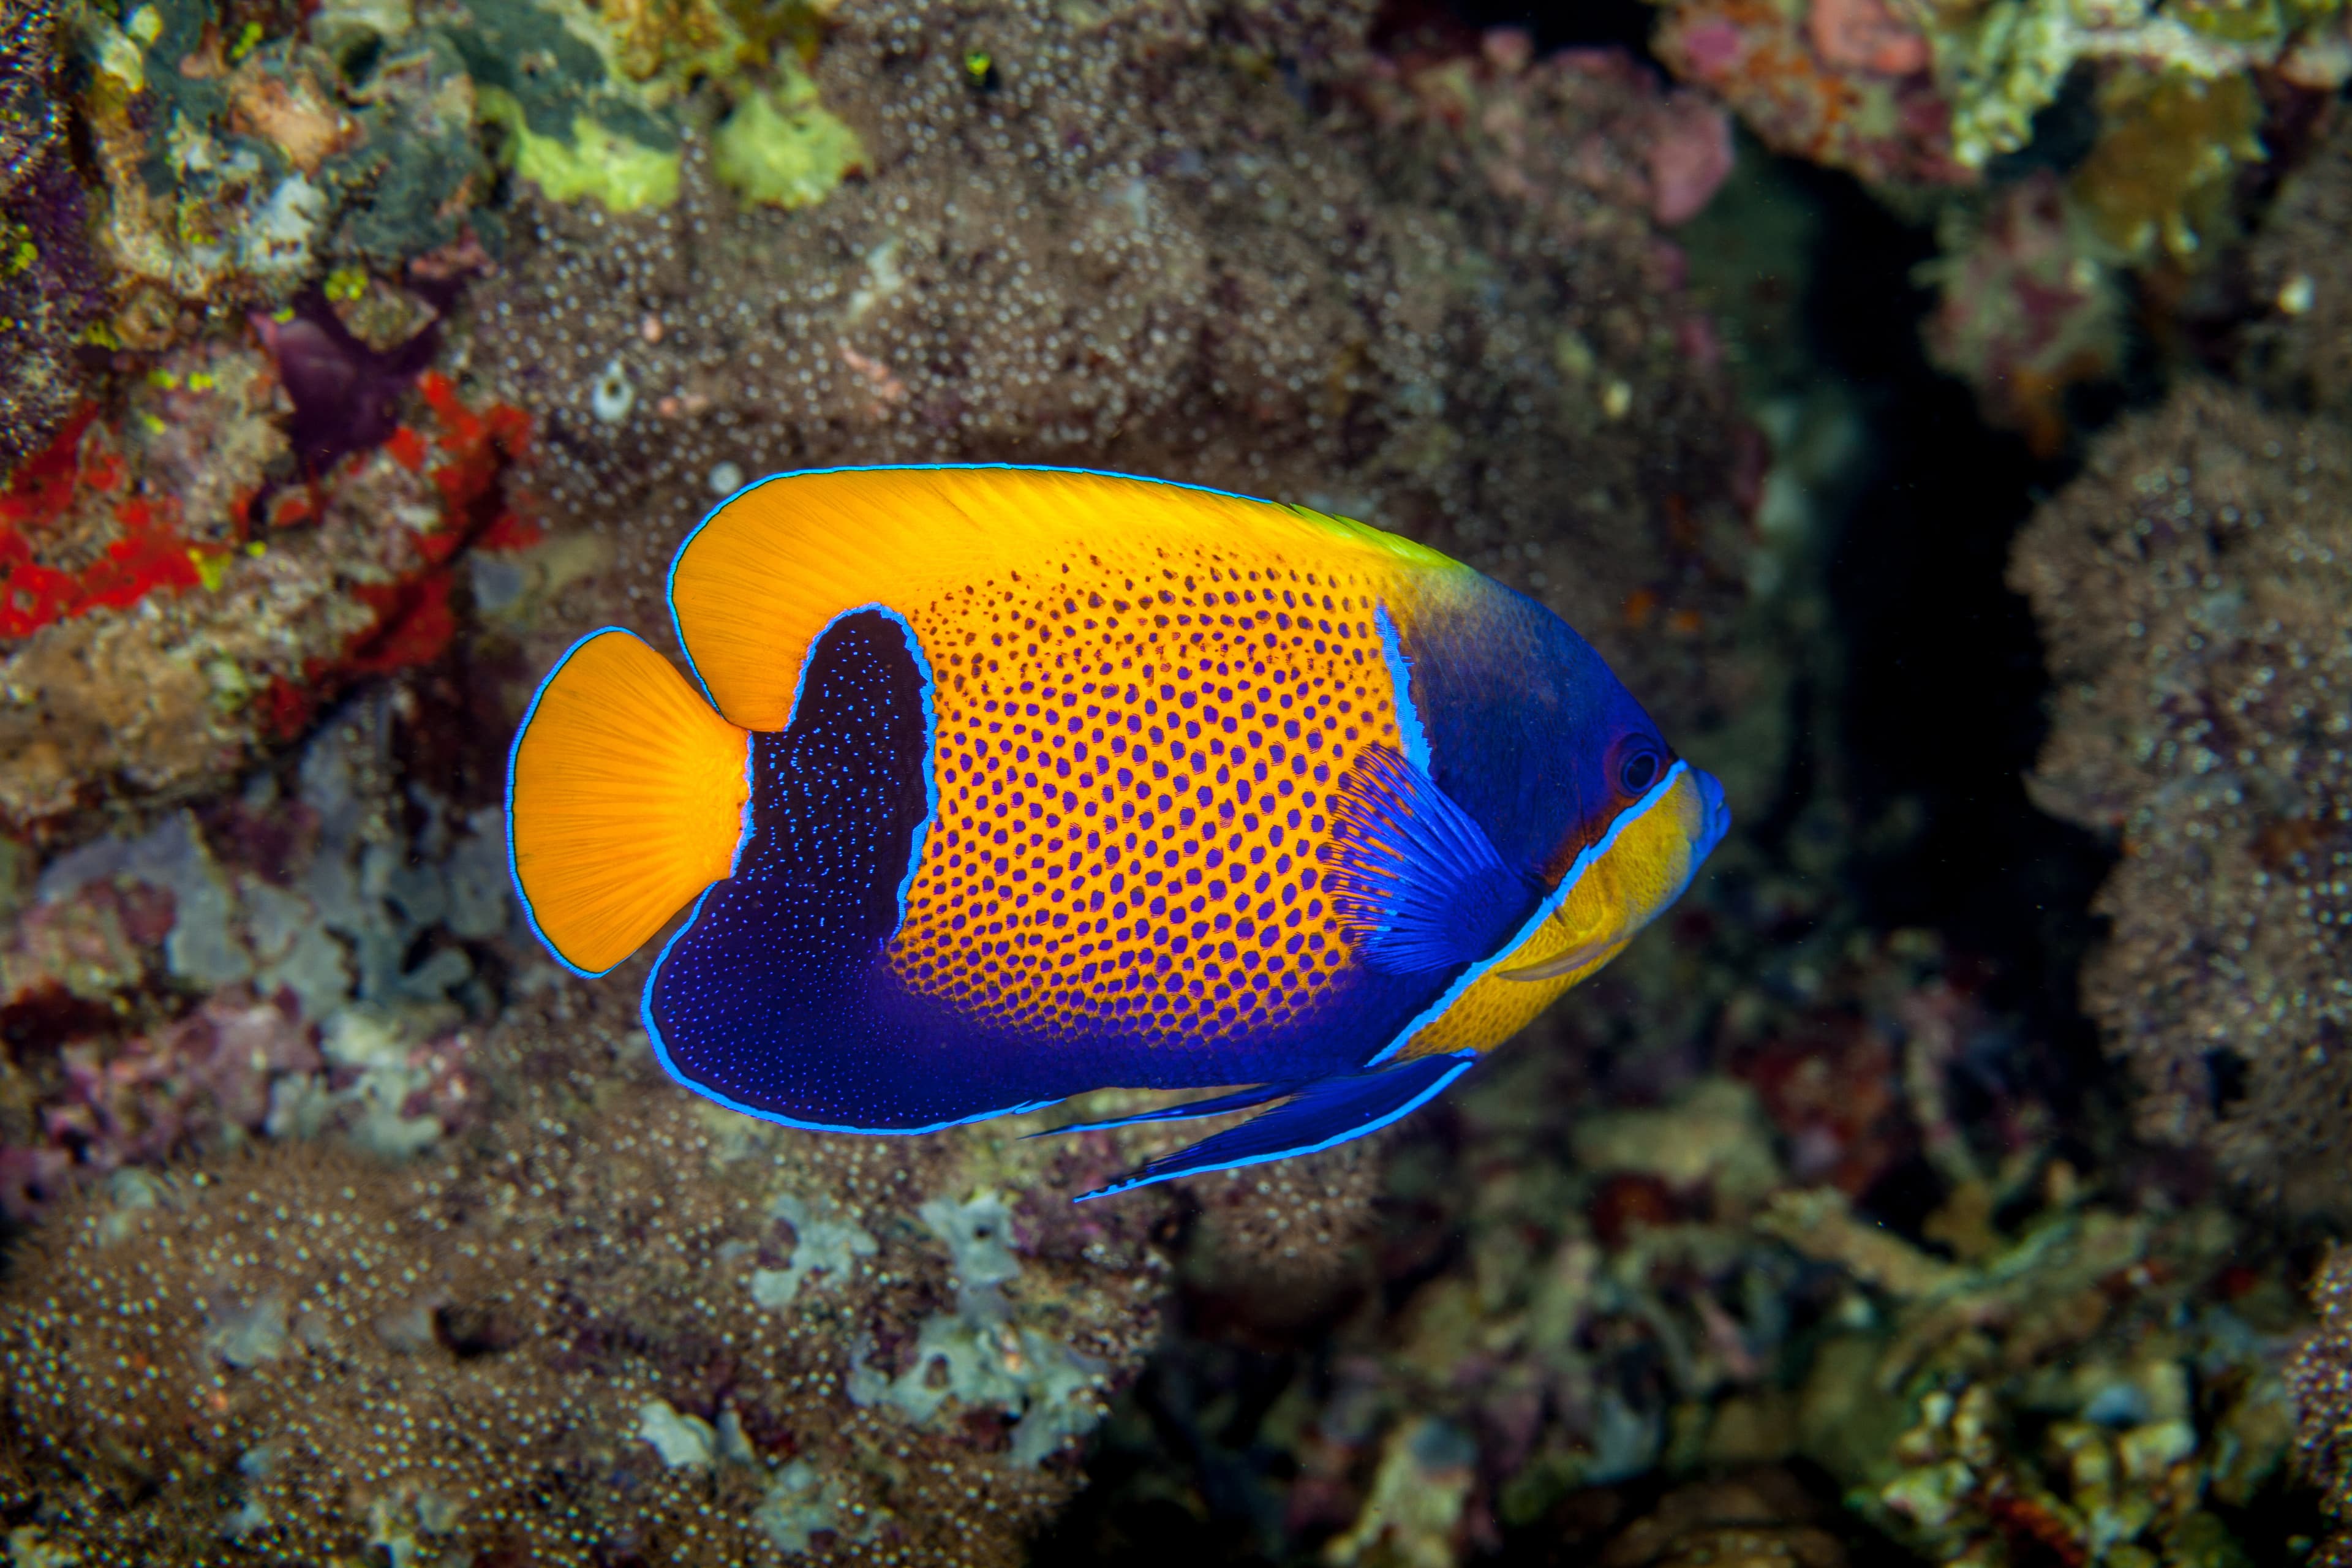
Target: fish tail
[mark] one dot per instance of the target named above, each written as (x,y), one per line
(625,797)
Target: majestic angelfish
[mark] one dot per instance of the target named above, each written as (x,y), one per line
(1002,785)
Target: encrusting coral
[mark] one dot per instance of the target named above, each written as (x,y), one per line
(341,925)
(174,604)
(614,1320)
(2191,587)
(1909,90)
(2299,347)
(2322,1394)
(2065,153)
(2021,312)
(48,281)
(1716,1283)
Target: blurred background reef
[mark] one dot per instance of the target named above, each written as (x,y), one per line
(1936,410)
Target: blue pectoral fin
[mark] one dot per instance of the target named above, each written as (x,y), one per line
(1416,880)
(1318,1116)
(1215,1105)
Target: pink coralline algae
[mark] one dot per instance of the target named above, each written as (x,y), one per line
(1689,157)
(188,1083)
(1845,82)
(2023,312)
(1863,35)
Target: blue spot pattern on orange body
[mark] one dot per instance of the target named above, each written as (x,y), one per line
(1135,782)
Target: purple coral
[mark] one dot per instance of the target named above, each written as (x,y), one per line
(346,396)
(182,1086)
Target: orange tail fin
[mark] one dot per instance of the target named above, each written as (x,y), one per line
(625,799)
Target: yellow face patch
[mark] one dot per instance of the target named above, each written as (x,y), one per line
(1645,868)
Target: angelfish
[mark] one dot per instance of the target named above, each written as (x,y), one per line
(993,785)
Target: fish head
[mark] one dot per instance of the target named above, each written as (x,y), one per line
(1533,734)
(1637,823)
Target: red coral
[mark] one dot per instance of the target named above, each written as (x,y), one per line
(476,447)
(469,456)
(148,553)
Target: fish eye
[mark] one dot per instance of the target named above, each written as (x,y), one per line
(1639,768)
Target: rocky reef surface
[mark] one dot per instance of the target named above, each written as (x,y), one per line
(2192,585)
(2071,158)
(361,355)
(412,341)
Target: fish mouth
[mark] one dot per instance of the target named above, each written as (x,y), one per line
(1715,820)
(1651,855)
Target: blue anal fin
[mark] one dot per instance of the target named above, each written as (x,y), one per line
(1318,1116)
(1215,1105)
(1417,883)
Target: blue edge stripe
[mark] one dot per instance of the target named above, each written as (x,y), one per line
(1407,1109)
(1544,912)
(1409,724)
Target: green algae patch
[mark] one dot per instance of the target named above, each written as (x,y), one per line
(2160,176)
(623,174)
(784,147)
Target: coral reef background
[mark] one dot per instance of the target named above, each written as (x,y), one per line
(1934,413)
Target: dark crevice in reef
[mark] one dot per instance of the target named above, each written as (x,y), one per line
(1586,24)
(1602,23)
(1942,709)
(1927,710)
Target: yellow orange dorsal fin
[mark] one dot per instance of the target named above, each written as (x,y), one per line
(625,799)
(766,573)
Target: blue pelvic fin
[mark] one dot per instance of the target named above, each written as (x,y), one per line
(1318,1115)
(1416,881)
(1215,1105)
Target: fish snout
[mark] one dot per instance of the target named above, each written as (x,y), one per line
(1714,819)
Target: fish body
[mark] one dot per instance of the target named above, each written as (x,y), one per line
(1002,784)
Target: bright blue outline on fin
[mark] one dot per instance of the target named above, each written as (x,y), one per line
(1215,1105)
(661,1055)
(514,749)
(1544,912)
(1426,839)
(1413,741)
(1407,1109)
